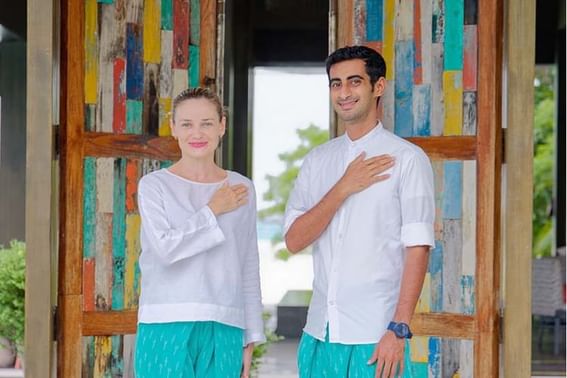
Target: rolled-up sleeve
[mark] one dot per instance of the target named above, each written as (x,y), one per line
(200,232)
(417,201)
(298,202)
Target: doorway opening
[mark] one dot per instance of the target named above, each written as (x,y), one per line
(276,93)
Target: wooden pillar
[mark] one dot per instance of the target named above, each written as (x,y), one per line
(519,88)
(39,215)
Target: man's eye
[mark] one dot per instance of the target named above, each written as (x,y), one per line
(335,84)
(185,125)
(356,82)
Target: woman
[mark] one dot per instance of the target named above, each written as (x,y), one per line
(200,309)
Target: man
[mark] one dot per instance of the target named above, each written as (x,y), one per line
(365,201)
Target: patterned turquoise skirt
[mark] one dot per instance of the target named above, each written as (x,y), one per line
(188,350)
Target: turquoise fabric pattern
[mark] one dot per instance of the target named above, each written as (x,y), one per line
(188,350)
(322,359)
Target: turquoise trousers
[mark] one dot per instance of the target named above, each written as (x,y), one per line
(188,350)
(323,359)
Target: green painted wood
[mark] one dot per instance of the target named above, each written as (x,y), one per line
(195,23)
(194,62)
(166,15)
(89,208)
(118,233)
(134,110)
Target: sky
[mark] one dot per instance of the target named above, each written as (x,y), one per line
(285,99)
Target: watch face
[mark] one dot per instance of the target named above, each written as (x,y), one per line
(402,330)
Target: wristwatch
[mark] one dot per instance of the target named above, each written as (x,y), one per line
(401,330)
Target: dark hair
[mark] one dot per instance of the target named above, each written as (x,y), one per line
(373,61)
(195,93)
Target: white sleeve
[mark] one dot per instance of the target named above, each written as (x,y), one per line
(200,231)
(254,332)
(417,201)
(298,202)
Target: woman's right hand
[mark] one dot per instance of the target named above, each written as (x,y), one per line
(228,198)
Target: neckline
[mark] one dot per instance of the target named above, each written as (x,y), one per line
(197,182)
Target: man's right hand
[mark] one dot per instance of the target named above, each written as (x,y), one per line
(228,198)
(362,173)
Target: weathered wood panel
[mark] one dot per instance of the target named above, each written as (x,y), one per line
(151,35)
(389,46)
(453,96)
(403,116)
(91,47)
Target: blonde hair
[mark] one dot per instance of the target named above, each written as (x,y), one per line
(196,93)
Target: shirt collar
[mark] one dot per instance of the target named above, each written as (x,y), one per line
(360,142)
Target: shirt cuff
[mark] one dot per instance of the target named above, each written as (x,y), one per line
(254,337)
(414,234)
(290,217)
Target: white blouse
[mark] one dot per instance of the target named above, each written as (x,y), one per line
(358,260)
(195,266)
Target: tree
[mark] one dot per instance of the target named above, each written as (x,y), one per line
(544,120)
(280,186)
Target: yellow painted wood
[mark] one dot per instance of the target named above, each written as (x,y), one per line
(132,252)
(389,37)
(453,95)
(103,350)
(91,51)
(152,35)
(164,116)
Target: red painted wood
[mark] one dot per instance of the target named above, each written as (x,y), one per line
(119,95)
(132,173)
(418,70)
(181,34)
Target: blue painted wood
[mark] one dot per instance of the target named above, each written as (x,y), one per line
(134,62)
(89,208)
(374,14)
(195,23)
(119,233)
(422,110)
(471,12)
(434,357)
(403,108)
(452,190)
(467,295)
(436,273)
(453,38)
(106,1)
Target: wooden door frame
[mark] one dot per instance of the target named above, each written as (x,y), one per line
(73,322)
(483,327)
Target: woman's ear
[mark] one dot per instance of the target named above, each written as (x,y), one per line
(223,126)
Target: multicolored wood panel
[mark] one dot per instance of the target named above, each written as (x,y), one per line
(111,230)
(430,48)
(108,356)
(139,54)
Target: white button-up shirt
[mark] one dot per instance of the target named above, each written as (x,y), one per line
(195,266)
(358,260)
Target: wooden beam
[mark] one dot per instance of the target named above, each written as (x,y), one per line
(489,154)
(106,323)
(39,186)
(520,55)
(132,146)
(444,325)
(447,147)
(70,241)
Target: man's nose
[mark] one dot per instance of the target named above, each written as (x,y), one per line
(345,91)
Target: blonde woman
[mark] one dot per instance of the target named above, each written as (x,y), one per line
(200,304)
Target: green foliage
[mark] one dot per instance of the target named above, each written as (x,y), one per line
(261,349)
(280,185)
(12,292)
(544,120)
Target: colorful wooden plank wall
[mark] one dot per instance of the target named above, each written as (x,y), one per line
(430,49)
(139,54)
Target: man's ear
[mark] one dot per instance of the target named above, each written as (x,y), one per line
(380,86)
